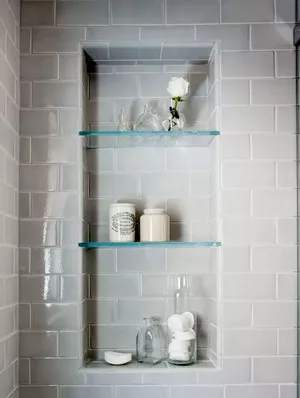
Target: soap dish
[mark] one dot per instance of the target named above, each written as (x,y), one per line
(117,358)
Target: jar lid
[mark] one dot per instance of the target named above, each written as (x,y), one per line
(154,211)
(122,205)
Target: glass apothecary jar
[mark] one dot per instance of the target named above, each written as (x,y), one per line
(182,326)
(149,343)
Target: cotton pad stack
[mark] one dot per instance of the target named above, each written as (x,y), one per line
(181,327)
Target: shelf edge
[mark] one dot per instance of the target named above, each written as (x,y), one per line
(103,245)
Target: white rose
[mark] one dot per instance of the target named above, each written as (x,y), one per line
(178,87)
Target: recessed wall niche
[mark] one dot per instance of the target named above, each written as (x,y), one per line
(179,173)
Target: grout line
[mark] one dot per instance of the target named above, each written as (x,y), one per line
(251,204)
(276,118)
(251,259)
(116,312)
(110,16)
(250,91)
(54,14)
(29,370)
(275,55)
(277,341)
(252,369)
(277,186)
(251,148)
(57,342)
(250,38)
(58,67)
(275,11)
(140,285)
(276,231)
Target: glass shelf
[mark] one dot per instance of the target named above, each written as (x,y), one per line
(111,139)
(105,245)
(152,133)
(96,366)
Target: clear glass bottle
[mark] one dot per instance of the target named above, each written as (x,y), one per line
(123,121)
(182,325)
(149,343)
(182,294)
(148,120)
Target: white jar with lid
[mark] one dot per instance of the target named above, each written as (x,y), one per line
(154,226)
(122,222)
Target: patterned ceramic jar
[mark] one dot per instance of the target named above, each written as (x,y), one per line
(122,222)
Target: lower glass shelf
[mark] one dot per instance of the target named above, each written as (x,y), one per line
(134,367)
(103,245)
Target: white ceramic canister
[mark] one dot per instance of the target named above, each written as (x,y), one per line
(154,226)
(122,222)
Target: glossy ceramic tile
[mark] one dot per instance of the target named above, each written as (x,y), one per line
(38,177)
(80,13)
(101,311)
(45,122)
(54,205)
(38,391)
(34,344)
(39,289)
(37,14)
(53,261)
(54,316)
(53,150)
(48,40)
(68,344)
(135,12)
(34,233)
(9,187)
(39,67)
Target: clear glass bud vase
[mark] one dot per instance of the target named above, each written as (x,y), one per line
(174,124)
(149,343)
(175,121)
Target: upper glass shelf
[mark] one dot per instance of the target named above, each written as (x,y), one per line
(104,245)
(106,139)
(152,133)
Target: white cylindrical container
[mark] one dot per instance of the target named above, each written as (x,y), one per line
(122,222)
(155,226)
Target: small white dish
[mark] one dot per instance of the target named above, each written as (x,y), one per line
(117,358)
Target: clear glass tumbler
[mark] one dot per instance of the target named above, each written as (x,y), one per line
(183,326)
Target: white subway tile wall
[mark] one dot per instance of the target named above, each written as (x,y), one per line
(258,180)
(9,187)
